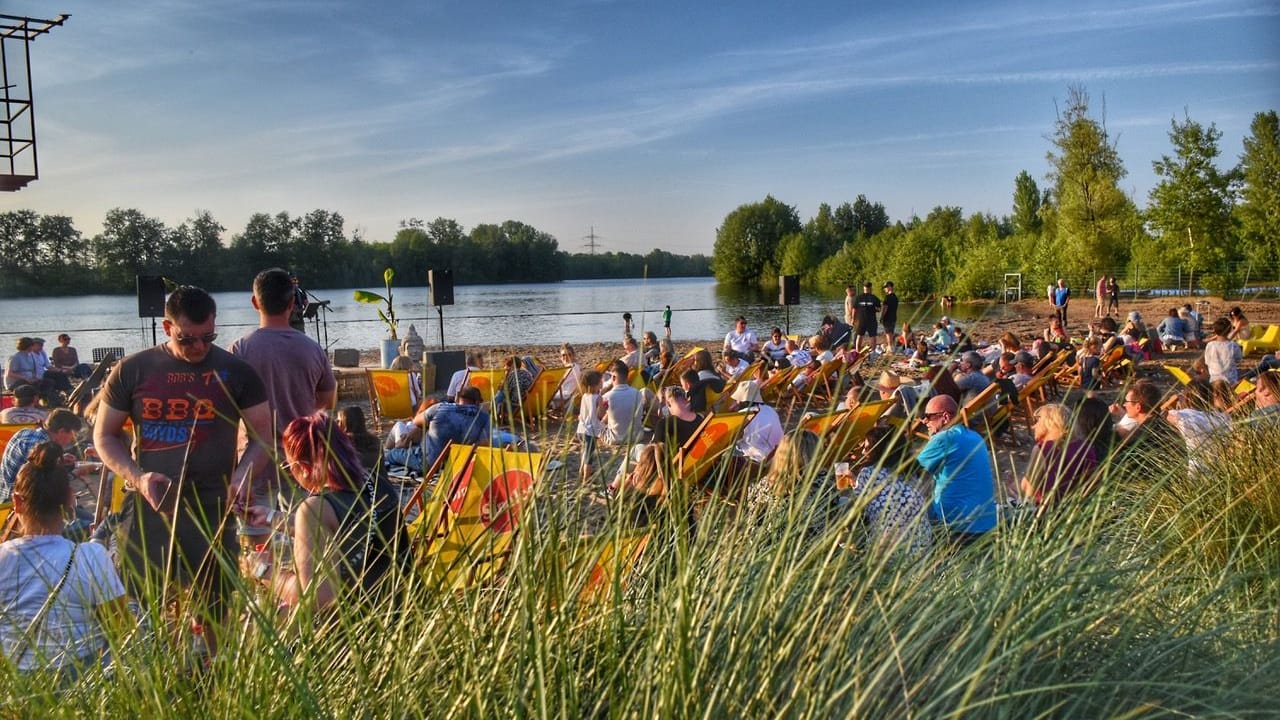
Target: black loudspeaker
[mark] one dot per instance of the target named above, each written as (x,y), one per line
(788,289)
(446,362)
(441,282)
(150,296)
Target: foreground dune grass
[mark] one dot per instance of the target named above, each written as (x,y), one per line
(1156,596)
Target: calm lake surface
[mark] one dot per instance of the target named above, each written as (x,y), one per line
(576,311)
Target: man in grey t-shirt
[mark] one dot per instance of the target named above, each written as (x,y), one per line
(624,408)
(293,367)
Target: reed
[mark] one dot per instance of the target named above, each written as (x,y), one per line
(1154,596)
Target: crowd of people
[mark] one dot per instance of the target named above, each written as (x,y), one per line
(222,450)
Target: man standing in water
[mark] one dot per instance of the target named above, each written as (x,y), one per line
(186,399)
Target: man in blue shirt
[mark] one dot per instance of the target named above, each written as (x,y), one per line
(61,427)
(963,481)
(461,422)
(1061,296)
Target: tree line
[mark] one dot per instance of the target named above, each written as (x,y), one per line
(1216,227)
(48,255)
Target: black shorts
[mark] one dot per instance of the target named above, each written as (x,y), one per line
(890,327)
(867,329)
(204,553)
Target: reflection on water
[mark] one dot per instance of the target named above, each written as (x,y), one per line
(578,311)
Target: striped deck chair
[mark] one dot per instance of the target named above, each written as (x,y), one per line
(466,528)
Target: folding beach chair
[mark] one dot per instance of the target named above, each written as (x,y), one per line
(713,438)
(843,436)
(83,391)
(487,382)
(775,385)
(545,387)
(1178,374)
(8,430)
(673,373)
(1265,339)
(390,394)
(465,530)
(609,567)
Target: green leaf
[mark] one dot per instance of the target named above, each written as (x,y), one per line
(368,298)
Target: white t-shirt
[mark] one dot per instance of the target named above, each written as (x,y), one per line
(456,381)
(589,422)
(622,414)
(1223,358)
(741,342)
(30,568)
(761,436)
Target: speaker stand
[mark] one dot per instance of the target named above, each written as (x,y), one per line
(440,310)
(154,340)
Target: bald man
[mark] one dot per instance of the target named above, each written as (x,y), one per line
(963,480)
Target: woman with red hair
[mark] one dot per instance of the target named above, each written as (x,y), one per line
(348,532)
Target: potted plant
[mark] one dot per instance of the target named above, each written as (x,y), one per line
(391,345)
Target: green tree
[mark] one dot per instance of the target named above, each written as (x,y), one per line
(130,244)
(1026,205)
(797,255)
(196,252)
(1190,207)
(747,241)
(1259,207)
(869,219)
(1092,213)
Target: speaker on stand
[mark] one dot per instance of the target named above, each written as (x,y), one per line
(441,290)
(788,294)
(151,300)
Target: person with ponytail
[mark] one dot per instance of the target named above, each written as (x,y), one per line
(347,534)
(55,595)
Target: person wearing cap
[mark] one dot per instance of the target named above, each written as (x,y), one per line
(866,308)
(963,480)
(763,433)
(24,409)
(889,316)
(969,376)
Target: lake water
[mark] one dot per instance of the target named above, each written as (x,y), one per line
(577,311)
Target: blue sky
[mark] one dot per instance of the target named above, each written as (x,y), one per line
(650,121)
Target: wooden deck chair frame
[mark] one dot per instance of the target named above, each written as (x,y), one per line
(83,391)
(390,397)
(1031,396)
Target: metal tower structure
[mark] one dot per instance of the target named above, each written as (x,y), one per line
(19,163)
(591,238)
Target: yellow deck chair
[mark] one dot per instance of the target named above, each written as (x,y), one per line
(487,381)
(609,567)
(8,430)
(776,384)
(480,497)
(673,373)
(820,424)
(390,395)
(545,387)
(844,436)
(6,513)
(1178,374)
(713,438)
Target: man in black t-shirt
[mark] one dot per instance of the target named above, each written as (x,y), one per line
(865,309)
(889,315)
